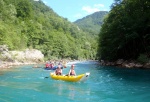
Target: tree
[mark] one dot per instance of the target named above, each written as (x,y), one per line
(24,9)
(125,33)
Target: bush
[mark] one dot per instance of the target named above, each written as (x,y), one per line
(143,58)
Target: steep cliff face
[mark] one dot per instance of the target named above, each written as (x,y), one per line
(28,55)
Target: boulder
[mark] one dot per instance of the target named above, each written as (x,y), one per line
(32,55)
(29,55)
(147,65)
(119,61)
(138,65)
(17,55)
(3,48)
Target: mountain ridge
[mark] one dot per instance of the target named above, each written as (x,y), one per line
(92,23)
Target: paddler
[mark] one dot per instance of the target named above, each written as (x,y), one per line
(72,71)
(58,71)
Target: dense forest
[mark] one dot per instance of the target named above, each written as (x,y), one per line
(125,33)
(32,24)
(91,26)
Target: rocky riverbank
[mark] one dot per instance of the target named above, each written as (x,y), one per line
(125,63)
(5,64)
(15,58)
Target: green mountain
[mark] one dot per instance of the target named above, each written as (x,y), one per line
(32,24)
(92,23)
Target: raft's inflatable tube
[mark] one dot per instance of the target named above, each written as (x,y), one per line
(48,68)
(81,77)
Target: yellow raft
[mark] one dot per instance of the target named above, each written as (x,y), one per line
(81,77)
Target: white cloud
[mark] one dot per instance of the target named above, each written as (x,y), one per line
(92,9)
(43,1)
(89,9)
(36,0)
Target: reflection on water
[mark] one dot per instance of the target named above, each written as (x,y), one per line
(71,90)
(1,73)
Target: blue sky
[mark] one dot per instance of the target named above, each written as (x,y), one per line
(77,9)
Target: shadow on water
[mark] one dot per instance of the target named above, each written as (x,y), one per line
(128,74)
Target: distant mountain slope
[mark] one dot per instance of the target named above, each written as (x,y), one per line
(92,23)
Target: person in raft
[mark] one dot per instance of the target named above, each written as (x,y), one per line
(58,71)
(47,65)
(72,71)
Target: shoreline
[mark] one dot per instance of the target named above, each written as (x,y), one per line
(119,63)
(8,65)
(126,64)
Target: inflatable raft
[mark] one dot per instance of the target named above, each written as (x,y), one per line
(54,68)
(81,77)
(48,68)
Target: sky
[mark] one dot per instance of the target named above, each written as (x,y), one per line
(77,9)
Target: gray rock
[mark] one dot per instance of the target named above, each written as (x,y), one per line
(29,55)
(147,65)
(3,48)
(138,65)
(119,61)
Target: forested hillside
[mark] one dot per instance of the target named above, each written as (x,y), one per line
(125,33)
(32,24)
(92,23)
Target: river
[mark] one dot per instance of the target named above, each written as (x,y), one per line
(105,84)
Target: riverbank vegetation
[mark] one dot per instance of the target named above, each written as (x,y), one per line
(125,33)
(32,24)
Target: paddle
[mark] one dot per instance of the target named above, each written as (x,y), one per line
(46,77)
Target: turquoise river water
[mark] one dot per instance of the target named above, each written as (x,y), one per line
(105,84)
